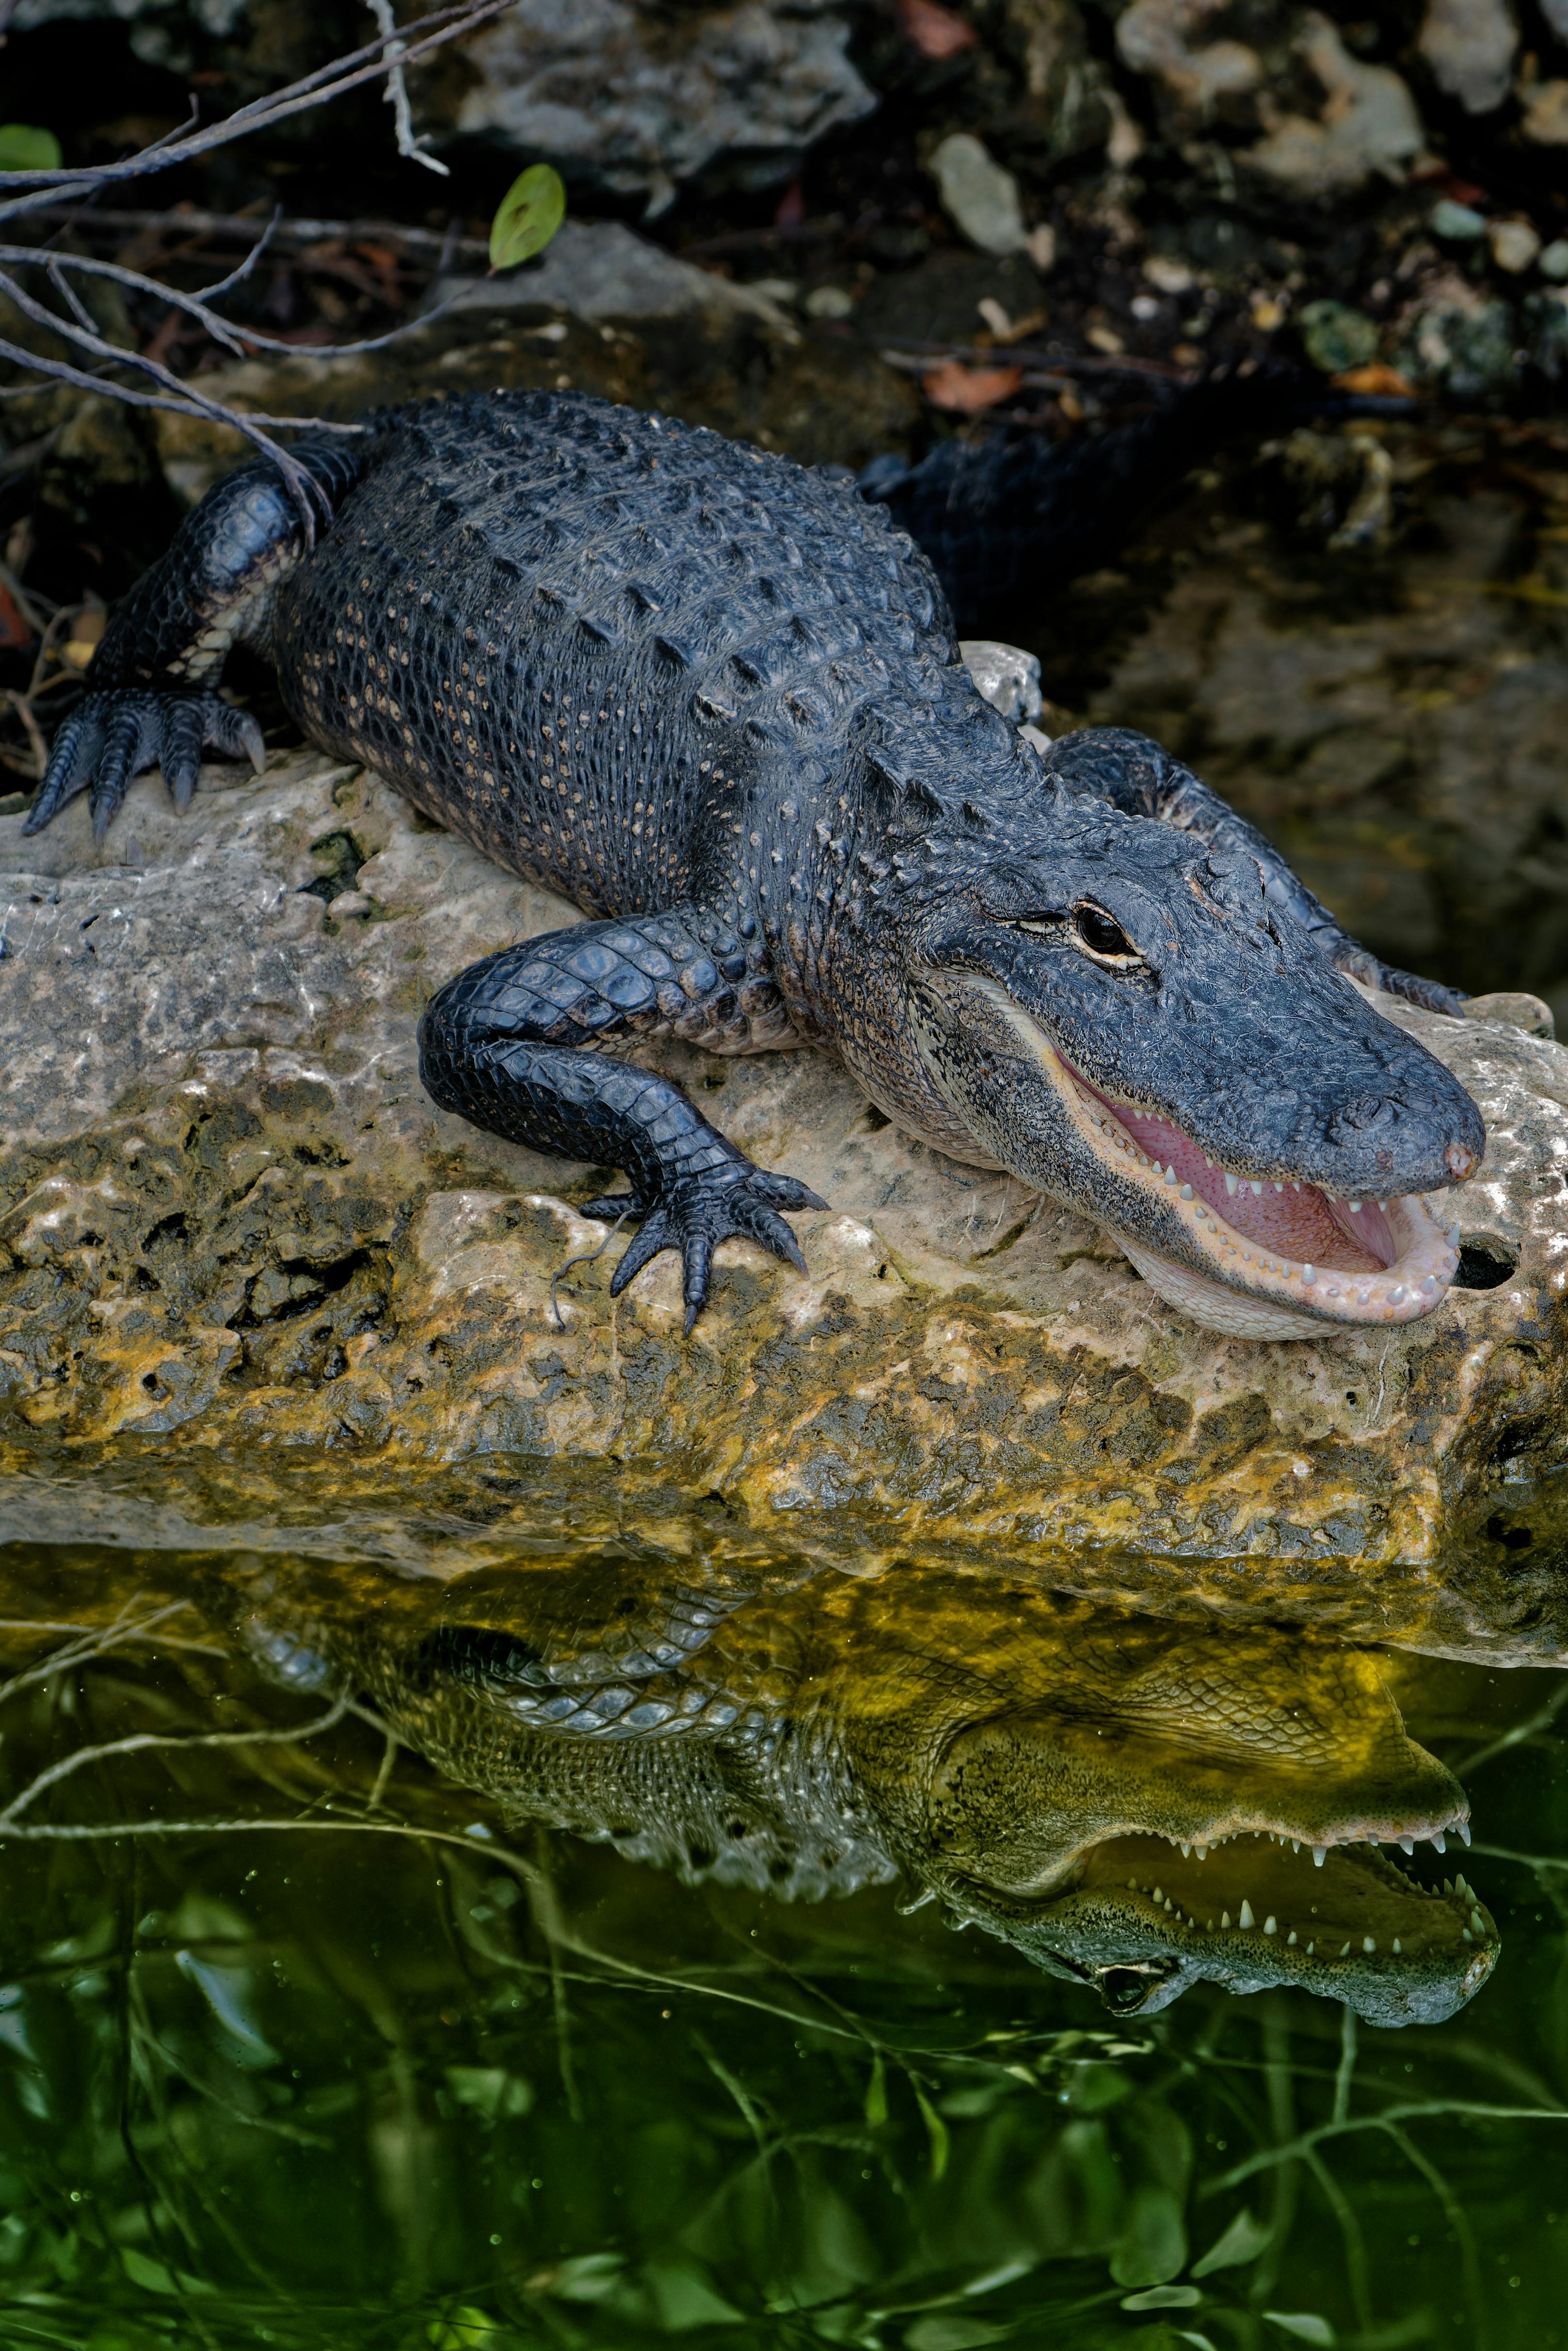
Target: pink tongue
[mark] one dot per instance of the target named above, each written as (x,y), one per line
(1304,1225)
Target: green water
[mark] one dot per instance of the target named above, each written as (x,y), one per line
(302,2043)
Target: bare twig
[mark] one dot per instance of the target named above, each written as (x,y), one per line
(409,142)
(240,340)
(34,189)
(145,1739)
(443,246)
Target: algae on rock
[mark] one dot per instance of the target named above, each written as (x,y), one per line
(259,1291)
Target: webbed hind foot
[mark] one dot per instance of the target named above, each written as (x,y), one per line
(112,735)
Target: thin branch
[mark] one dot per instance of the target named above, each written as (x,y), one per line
(409,141)
(145,1738)
(36,189)
(238,275)
(442,244)
(308,497)
(95,1643)
(240,340)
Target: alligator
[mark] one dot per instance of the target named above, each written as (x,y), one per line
(716,698)
(1135,1806)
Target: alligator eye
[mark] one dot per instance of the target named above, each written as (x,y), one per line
(1101,936)
(1124,1990)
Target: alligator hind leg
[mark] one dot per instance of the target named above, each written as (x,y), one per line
(509,1044)
(151,696)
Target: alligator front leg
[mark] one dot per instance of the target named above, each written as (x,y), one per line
(511,1044)
(1133,773)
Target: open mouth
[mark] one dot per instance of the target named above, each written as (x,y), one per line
(1281,1256)
(1261,1900)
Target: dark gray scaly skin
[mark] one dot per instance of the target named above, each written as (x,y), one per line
(1034,1765)
(716,699)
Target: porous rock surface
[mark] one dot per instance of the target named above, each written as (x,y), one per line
(255,1281)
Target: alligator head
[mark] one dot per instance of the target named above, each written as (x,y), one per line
(1135,1023)
(1249,1852)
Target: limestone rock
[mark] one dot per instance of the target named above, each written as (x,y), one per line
(640,103)
(978,195)
(1469,46)
(1368,127)
(260,1292)
(604,274)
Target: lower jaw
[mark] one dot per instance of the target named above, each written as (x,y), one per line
(1235,1312)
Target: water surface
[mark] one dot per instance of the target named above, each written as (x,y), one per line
(304,2041)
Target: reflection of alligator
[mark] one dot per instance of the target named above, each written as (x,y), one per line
(717,701)
(1131,1804)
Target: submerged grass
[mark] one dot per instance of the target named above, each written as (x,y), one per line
(301,2046)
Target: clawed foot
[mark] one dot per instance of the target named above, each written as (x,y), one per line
(694,1216)
(112,735)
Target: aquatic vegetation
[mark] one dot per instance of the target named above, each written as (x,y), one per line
(301,2043)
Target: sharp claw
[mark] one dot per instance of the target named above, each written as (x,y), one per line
(648,1243)
(251,743)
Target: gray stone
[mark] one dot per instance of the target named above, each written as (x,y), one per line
(260,1292)
(602,273)
(640,102)
(1368,128)
(976,193)
(1469,46)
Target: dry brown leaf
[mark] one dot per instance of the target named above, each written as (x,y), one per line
(1378,380)
(966,390)
(935,32)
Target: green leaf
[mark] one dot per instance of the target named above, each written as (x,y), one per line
(1162,2297)
(1304,2325)
(937,2131)
(529,215)
(1242,2241)
(941,2333)
(490,2091)
(24,148)
(1153,2244)
(877,2095)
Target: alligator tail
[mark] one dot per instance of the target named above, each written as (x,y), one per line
(1021,515)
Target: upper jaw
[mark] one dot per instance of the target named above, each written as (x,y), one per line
(1256,1256)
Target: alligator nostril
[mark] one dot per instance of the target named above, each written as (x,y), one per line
(1459,1163)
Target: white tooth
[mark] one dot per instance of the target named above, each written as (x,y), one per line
(1257,1189)
(1294,1846)
(1170,1174)
(1467,1934)
(1295,1187)
(1291,1939)
(1159,1896)
(1225,1917)
(1311,1948)
(1398,1948)
(1464,1834)
(1245,1917)
(1384,1206)
(1397,1294)
(1477,1922)
(1271,1925)
(1187,1853)
(1317,1856)
(1367,1944)
(1186,1191)
(1407,1844)
(1343,1949)
(1309,1274)
(1231,1182)
(1279,1187)
(1202,1852)
(1439,1842)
